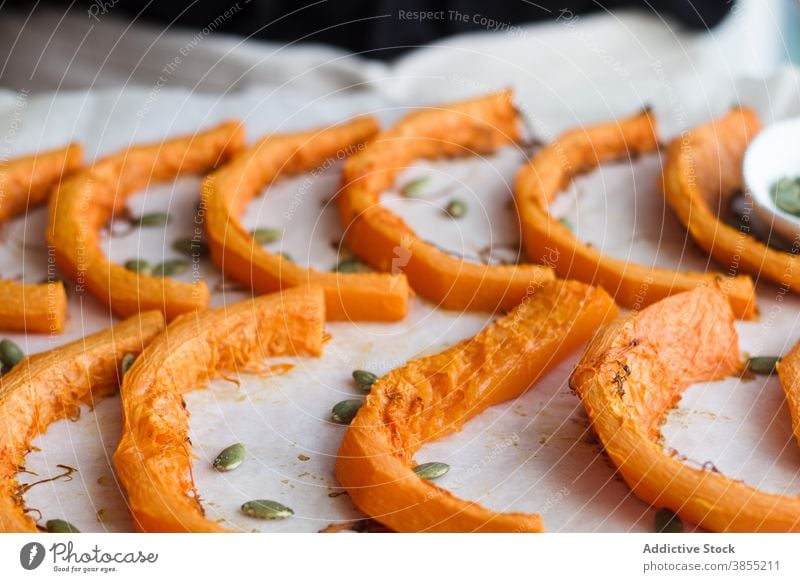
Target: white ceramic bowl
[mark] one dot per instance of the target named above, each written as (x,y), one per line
(772,155)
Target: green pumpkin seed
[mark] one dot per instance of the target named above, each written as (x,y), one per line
(10,354)
(566,223)
(431,471)
(345,411)
(414,187)
(126,362)
(351,265)
(762,365)
(190,247)
(139,266)
(170,268)
(667,521)
(153,219)
(266,509)
(230,458)
(60,526)
(364,379)
(288,257)
(265,236)
(456,208)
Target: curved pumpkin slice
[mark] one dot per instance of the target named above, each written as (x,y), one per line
(384,241)
(433,396)
(634,371)
(789,374)
(702,171)
(226,192)
(49,386)
(550,170)
(25,183)
(153,460)
(88,199)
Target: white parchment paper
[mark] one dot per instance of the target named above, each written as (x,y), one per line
(533,454)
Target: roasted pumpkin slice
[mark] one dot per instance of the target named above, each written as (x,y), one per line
(634,371)
(387,243)
(88,199)
(434,396)
(154,457)
(546,239)
(226,192)
(789,374)
(703,170)
(50,386)
(25,183)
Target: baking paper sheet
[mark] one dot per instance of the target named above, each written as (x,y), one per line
(534,454)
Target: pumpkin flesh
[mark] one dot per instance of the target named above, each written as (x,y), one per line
(153,460)
(702,171)
(545,239)
(387,243)
(227,191)
(634,371)
(89,198)
(52,385)
(789,374)
(26,183)
(434,396)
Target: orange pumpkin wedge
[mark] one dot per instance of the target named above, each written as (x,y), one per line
(434,396)
(226,192)
(634,371)
(546,239)
(50,386)
(25,183)
(153,460)
(789,374)
(702,170)
(387,243)
(88,199)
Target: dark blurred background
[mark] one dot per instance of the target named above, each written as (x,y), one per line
(374,26)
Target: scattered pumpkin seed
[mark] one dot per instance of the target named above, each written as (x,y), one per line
(153,219)
(126,362)
(345,411)
(431,471)
(762,365)
(667,521)
(566,223)
(10,354)
(456,208)
(351,265)
(230,457)
(364,379)
(60,526)
(190,247)
(139,266)
(265,236)
(266,509)
(170,268)
(414,187)
(303,458)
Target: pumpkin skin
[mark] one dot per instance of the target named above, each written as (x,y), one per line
(634,371)
(226,192)
(545,238)
(49,386)
(86,201)
(789,374)
(702,170)
(25,183)
(384,241)
(153,460)
(434,396)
